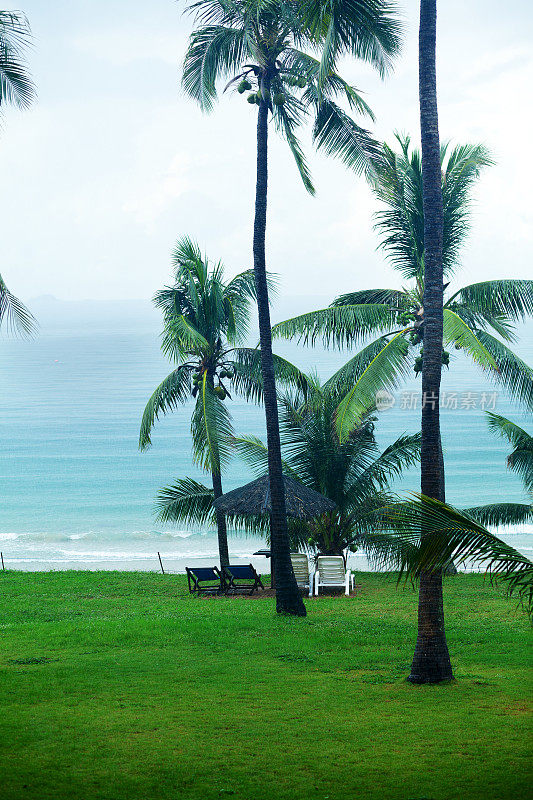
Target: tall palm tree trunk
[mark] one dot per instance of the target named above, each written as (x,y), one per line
(222,530)
(288,598)
(431,662)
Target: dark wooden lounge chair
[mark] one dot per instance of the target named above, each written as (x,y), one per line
(205,580)
(241,579)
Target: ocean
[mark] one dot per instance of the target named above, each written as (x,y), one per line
(77,493)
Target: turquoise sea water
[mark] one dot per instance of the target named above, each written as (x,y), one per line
(77,492)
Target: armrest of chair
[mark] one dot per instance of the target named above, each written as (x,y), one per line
(311,582)
(317,579)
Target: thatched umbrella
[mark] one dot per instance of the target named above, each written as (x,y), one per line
(253,499)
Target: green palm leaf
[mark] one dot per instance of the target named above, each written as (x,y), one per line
(383,372)
(255,453)
(338,135)
(343,380)
(248,379)
(510,299)
(391,297)
(398,185)
(339,326)
(172,392)
(181,338)
(14,314)
(215,52)
(16,86)
(512,373)
(186,501)
(457,332)
(360,28)
(402,453)
(211,429)
(521,459)
(501,513)
(287,117)
(451,535)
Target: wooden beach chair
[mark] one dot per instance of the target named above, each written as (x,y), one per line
(331,573)
(241,579)
(304,578)
(205,580)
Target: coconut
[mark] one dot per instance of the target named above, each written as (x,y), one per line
(252,99)
(301,82)
(279,99)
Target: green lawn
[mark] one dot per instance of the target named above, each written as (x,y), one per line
(118,685)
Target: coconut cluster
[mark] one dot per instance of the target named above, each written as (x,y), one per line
(445,360)
(278,99)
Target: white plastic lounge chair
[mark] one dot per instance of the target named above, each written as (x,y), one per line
(304,578)
(330,573)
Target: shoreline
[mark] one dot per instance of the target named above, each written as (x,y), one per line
(31,553)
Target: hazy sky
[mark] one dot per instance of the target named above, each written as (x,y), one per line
(113,163)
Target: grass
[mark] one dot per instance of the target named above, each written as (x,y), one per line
(119,685)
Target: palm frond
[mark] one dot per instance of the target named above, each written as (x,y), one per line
(214,52)
(515,435)
(248,379)
(521,459)
(497,514)
(452,535)
(181,337)
(402,453)
(173,391)
(16,86)
(14,314)
(360,28)
(512,373)
(457,332)
(391,297)
(338,135)
(461,171)
(287,118)
(211,429)
(339,326)
(186,502)
(344,379)
(398,185)
(383,373)
(509,299)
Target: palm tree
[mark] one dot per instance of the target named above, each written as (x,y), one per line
(471,315)
(16,86)
(521,462)
(431,660)
(257,44)
(205,319)
(354,474)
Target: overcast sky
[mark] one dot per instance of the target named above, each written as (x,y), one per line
(113,163)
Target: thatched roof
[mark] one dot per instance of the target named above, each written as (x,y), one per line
(254,499)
